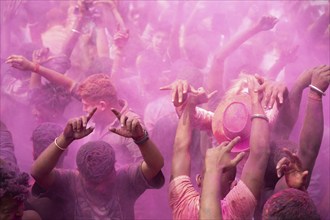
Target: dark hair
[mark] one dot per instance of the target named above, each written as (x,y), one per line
(43,135)
(290,204)
(50,96)
(13,184)
(95,160)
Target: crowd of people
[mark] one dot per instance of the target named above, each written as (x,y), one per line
(134,109)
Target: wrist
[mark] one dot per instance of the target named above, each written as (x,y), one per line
(315,89)
(142,139)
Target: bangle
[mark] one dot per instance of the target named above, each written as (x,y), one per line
(316,89)
(259,116)
(143,139)
(36,67)
(61,148)
(75,31)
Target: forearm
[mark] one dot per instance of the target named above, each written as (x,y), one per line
(72,37)
(152,157)
(101,42)
(46,162)
(35,80)
(312,132)
(210,197)
(259,137)
(184,129)
(56,77)
(255,166)
(289,112)
(117,64)
(234,43)
(215,78)
(181,149)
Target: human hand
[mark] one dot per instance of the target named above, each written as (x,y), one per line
(321,77)
(201,96)
(120,38)
(20,62)
(180,89)
(76,128)
(266,23)
(272,91)
(218,158)
(291,167)
(130,127)
(40,56)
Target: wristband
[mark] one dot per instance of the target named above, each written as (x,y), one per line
(259,116)
(36,67)
(316,89)
(61,148)
(144,139)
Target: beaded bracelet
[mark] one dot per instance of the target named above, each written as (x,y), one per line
(316,89)
(144,139)
(61,148)
(259,116)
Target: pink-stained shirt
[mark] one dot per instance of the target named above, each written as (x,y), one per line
(185,200)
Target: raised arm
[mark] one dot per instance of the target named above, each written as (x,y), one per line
(43,168)
(312,131)
(255,166)
(217,161)
(153,160)
(217,68)
(80,17)
(20,62)
(289,112)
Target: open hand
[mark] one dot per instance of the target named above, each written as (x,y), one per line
(266,23)
(76,128)
(218,158)
(20,62)
(291,167)
(130,127)
(272,91)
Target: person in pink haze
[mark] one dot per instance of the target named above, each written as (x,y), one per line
(238,202)
(97,190)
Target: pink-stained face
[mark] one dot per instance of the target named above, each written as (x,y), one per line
(160,41)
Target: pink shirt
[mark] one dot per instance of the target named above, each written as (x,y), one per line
(184,200)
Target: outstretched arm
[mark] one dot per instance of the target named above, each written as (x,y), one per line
(217,68)
(289,112)
(131,128)
(43,168)
(312,131)
(20,62)
(255,166)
